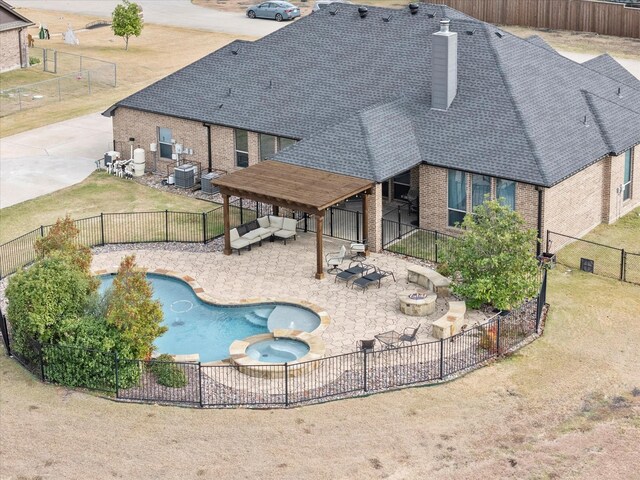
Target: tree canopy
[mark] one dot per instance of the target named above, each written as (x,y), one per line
(493,260)
(127,21)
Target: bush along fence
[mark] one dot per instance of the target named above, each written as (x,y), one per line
(351,374)
(593,257)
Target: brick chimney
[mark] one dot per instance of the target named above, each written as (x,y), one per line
(444,66)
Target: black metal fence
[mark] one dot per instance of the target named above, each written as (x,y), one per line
(279,385)
(593,257)
(415,242)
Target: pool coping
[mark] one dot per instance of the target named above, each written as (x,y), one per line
(200,292)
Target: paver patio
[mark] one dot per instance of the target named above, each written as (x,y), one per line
(278,271)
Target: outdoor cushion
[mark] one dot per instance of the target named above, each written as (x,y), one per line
(253,225)
(276,221)
(233,234)
(242,229)
(264,222)
(259,233)
(284,234)
(290,224)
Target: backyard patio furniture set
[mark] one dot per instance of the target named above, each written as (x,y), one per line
(267,227)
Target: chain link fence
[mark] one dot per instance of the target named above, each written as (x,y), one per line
(74,76)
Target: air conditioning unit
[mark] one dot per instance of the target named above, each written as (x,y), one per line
(205,182)
(185,175)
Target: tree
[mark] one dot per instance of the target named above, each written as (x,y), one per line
(493,261)
(126,20)
(133,312)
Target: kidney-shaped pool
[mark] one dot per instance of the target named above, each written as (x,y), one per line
(198,327)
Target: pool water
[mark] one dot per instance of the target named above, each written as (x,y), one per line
(278,350)
(198,327)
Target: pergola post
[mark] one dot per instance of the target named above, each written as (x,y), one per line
(227,224)
(365,222)
(319,255)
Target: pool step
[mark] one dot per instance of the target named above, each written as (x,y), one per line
(259,316)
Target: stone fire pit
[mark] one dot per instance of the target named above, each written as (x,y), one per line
(417,304)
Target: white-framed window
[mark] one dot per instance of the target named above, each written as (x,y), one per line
(506,192)
(268,146)
(628,174)
(480,186)
(242,147)
(164,140)
(457,196)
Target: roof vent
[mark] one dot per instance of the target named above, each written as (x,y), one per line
(470,32)
(584,121)
(430,15)
(220,106)
(235,50)
(386,19)
(229,91)
(413,8)
(333,11)
(270,83)
(499,34)
(619,92)
(363,11)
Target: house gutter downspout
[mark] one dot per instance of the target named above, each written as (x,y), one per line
(210,153)
(23,63)
(539,242)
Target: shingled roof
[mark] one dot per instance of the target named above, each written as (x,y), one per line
(10,19)
(357,93)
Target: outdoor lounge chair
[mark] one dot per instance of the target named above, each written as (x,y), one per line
(372,277)
(238,243)
(392,339)
(334,259)
(289,226)
(355,269)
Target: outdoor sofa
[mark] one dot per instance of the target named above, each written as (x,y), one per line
(258,230)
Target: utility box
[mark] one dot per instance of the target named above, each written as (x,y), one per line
(185,175)
(205,182)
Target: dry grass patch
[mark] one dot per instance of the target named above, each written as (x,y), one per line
(159,51)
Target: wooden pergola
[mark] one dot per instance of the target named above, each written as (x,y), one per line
(298,188)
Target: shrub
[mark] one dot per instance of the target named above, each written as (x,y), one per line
(493,260)
(34,60)
(167,373)
(133,312)
(46,301)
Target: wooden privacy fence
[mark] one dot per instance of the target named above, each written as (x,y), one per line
(577,15)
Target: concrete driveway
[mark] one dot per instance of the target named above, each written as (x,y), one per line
(179,13)
(49,158)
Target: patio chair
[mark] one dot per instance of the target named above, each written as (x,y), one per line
(393,339)
(370,278)
(289,227)
(355,269)
(357,251)
(238,243)
(366,346)
(334,259)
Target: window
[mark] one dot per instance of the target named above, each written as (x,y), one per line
(457,197)
(164,139)
(626,186)
(506,192)
(242,148)
(285,142)
(268,146)
(480,186)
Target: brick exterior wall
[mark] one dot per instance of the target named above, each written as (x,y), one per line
(143,126)
(375,218)
(590,197)
(10,51)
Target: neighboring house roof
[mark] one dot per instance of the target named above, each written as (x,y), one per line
(606,65)
(10,19)
(357,92)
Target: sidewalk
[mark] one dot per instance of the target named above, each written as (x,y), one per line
(52,157)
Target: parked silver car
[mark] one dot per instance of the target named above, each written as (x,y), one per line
(277,11)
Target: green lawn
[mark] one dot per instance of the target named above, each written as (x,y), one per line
(623,234)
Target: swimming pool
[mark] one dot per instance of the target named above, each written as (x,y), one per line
(208,330)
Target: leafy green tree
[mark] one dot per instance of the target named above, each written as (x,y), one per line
(62,240)
(493,261)
(46,301)
(133,312)
(126,20)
